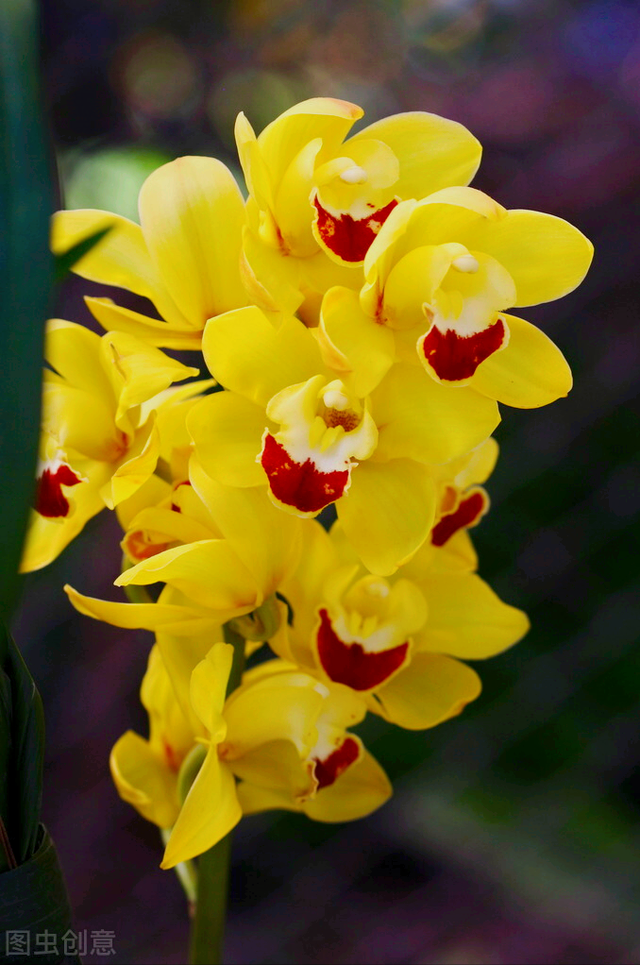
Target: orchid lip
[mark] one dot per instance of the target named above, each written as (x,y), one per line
(350,664)
(51,502)
(346,237)
(454,357)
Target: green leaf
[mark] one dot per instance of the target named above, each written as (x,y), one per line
(21,751)
(26,272)
(33,899)
(26,757)
(65,261)
(5,748)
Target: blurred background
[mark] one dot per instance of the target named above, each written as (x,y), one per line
(513,836)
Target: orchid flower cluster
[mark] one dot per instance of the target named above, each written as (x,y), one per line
(354,317)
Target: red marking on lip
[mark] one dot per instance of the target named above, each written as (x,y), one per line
(467,514)
(300,484)
(350,664)
(51,502)
(350,238)
(328,771)
(455,357)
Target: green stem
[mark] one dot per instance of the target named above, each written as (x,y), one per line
(207,931)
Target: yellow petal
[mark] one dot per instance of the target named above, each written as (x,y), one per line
(209,573)
(305,588)
(293,208)
(192,215)
(246,353)
(431,689)
(272,279)
(209,812)
(546,256)
(172,408)
(80,420)
(137,370)
(318,274)
(227,434)
(267,541)
(120,259)
(165,525)
(433,151)
(276,766)
(74,352)
(388,512)
(450,215)
(254,168)
(144,780)
(359,791)
(134,616)
(383,254)
(181,654)
(140,462)
(467,619)
(412,281)
(113,317)
(478,465)
(319,117)
(292,646)
(457,555)
(153,492)
(531,371)
(283,707)
(253,798)
(209,686)
(423,420)
(352,343)
(171,736)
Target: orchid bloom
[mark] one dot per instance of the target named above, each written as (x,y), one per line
(100,440)
(353,312)
(183,256)
(462,499)
(316,201)
(360,435)
(399,641)
(282,734)
(441,275)
(227,550)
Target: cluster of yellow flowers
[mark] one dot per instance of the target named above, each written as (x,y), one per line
(352,310)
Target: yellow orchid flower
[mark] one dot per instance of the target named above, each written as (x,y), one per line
(462,500)
(318,420)
(145,772)
(395,641)
(317,201)
(183,256)
(228,550)
(282,734)
(443,271)
(100,438)
(161,514)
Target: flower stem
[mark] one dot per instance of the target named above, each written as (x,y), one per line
(207,934)
(207,930)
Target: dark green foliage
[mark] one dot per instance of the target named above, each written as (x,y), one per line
(22,753)
(26,271)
